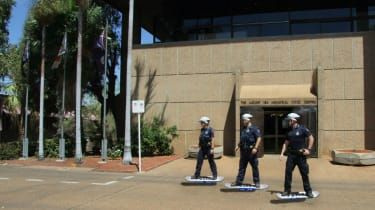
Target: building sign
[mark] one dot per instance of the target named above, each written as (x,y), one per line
(138,106)
(278,102)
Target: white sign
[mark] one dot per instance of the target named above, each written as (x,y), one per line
(138,106)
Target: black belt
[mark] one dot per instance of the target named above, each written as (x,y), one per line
(294,152)
(246,146)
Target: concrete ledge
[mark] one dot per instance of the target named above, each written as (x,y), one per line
(353,156)
(218,151)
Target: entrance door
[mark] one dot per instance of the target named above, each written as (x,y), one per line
(275,129)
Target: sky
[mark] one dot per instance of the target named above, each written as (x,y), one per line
(18,16)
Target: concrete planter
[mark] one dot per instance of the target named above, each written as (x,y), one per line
(353,157)
(194,149)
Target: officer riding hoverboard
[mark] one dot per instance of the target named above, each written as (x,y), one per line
(295,148)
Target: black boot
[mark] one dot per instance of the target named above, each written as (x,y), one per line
(310,194)
(194,177)
(236,184)
(285,193)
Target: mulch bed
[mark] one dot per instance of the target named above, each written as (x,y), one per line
(148,163)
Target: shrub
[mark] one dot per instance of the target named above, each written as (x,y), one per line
(51,148)
(9,151)
(156,138)
(115,152)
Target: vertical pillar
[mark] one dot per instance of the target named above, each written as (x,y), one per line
(320,98)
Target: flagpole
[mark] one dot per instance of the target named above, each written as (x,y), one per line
(105,95)
(25,148)
(41,101)
(62,115)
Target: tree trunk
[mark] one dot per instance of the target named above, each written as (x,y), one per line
(41,100)
(127,147)
(78,154)
(119,101)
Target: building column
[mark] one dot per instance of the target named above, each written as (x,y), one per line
(238,84)
(321,96)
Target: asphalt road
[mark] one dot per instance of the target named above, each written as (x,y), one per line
(162,188)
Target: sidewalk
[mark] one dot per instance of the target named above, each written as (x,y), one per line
(92,163)
(272,169)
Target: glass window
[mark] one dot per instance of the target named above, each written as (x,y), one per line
(274,17)
(221,20)
(305,28)
(146,37)
(316,14)
(333,27)
(275,29)
(241,19)
(371,10)
(261,18)
(190,23)
(246,31)
(372,24)
(204,22)
(222,32)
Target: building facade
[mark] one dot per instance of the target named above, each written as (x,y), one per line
(224,58)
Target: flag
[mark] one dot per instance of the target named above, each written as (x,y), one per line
(63,49)
(99,52)
(26,53)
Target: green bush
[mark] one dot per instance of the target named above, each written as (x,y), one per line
(115,152)
(9,151)
(156,138)
(51,148)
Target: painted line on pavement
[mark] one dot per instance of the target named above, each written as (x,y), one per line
(128,177)
(4,178)
(105,184)
(69,182)
(34,180)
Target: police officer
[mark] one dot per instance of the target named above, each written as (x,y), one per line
(249,144)
(206,148)
(295,148)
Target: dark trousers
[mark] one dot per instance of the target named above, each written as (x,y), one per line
(303,167)
(205,151)
(245,158)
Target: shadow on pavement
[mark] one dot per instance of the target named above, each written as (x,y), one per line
(197,184)
(235,190)
(276,201)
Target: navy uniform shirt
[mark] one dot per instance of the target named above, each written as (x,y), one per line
(206,136)
(297,137)
(249,136)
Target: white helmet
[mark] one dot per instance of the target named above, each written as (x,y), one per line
(293,116)
(204,120)
(247,116)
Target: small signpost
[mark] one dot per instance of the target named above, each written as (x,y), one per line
(138,107)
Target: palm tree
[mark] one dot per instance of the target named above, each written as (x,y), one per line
(42,12)
(83,5)
(127,144)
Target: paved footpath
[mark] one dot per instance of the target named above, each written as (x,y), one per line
(341,187)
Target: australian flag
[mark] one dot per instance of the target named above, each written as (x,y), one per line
(63,49)
(26,53)
(99,52)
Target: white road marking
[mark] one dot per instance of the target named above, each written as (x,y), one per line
(34,180)
(128,177)
(4,178)
(69,182)
(104,184)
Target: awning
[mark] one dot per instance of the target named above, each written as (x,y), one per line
(277,95)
